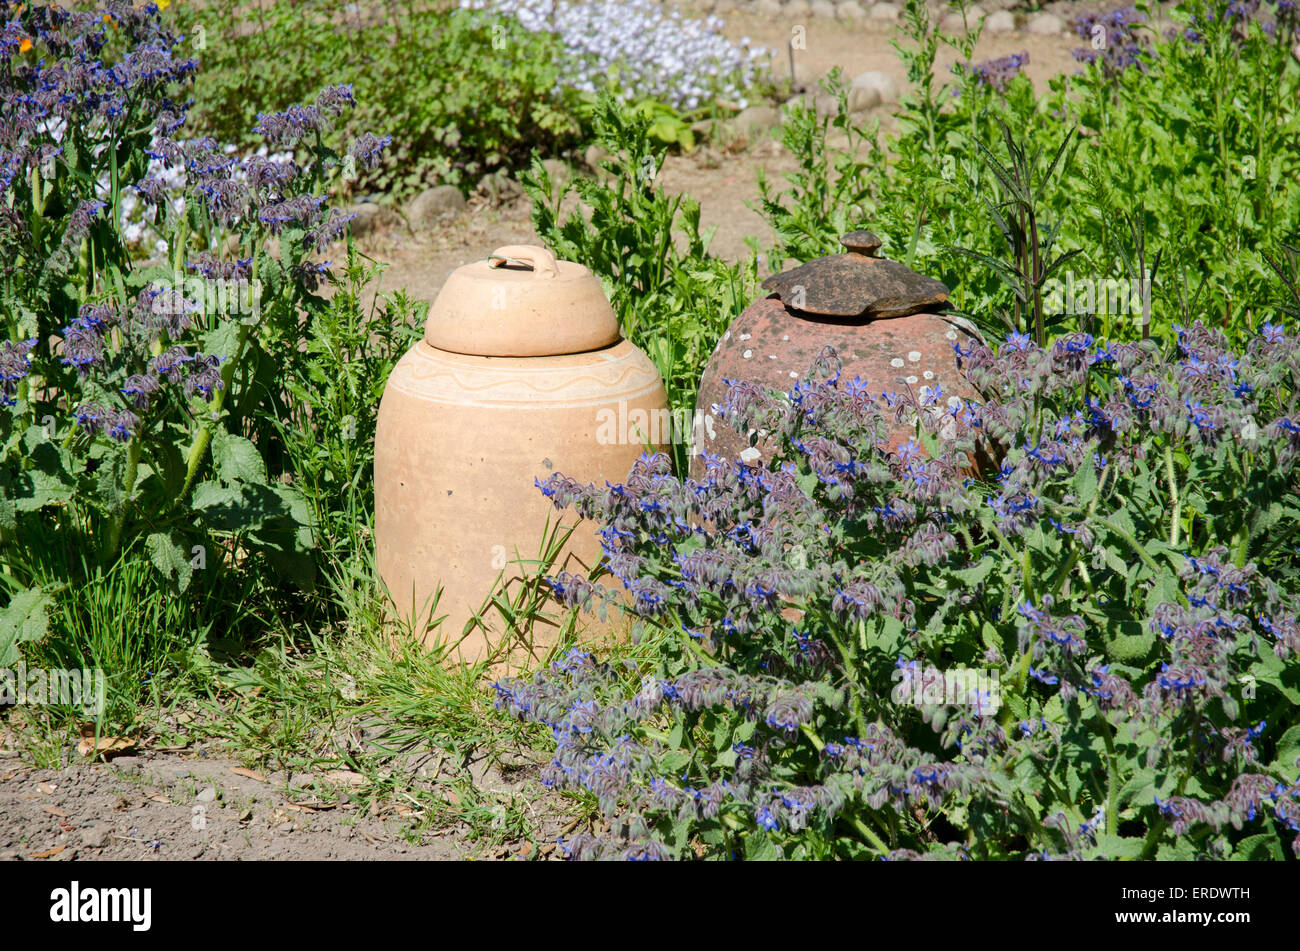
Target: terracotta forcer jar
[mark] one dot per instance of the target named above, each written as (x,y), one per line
(885,321)
(520,365)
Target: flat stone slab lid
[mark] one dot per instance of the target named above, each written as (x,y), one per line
(857,284)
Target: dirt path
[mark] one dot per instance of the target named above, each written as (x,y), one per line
(195,805)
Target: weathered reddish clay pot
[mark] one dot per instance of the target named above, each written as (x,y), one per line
(520,369)
(884,320)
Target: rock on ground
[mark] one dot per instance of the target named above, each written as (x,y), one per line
(1045,24)
(367,216)
(1000,21)
(434,204)
(872,88)
(754,122)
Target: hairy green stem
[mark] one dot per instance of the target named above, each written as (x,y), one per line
(1112,793)
(1175,518)
(870,833)
(203,438)
(128,485)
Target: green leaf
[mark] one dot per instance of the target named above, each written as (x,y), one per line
(977,572)
(234,508)
(46,481)
(222,341)
(110,479)
(1119,847)
(1139,790)
(990,636)
(170,467)
(759,847)
(1085,483)
(1288,748)
(25,618)
(1263,847)
(236,459)
(8,512)
(1181,850)
(1128,641)
(170,558)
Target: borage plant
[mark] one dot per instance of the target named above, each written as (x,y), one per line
(140,395)
(894,647)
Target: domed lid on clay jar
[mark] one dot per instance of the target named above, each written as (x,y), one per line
(857,284)
(520,301)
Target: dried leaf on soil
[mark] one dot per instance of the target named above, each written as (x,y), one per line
(104,746)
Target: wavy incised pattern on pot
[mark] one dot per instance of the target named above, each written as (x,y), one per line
(575,380)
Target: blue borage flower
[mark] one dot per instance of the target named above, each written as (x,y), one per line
(1020,342)
(141,389)
(997,73)
(15,364)
(931,395)
(1201,417)
(119,425)
(1030,728)
(1178,680)
(1045,455)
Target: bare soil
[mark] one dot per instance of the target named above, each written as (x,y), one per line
(198,805)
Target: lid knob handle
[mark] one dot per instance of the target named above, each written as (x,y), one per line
(861,242)
(541,260)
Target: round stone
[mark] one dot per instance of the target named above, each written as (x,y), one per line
(823,9)
(796,8)
(432,204)
(768,8)
(871,88)
(368,216)
(885,13)
(1000,21)
(755,122)
(1045,24)
(850,10)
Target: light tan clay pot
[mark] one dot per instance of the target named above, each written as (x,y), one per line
(520,370)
